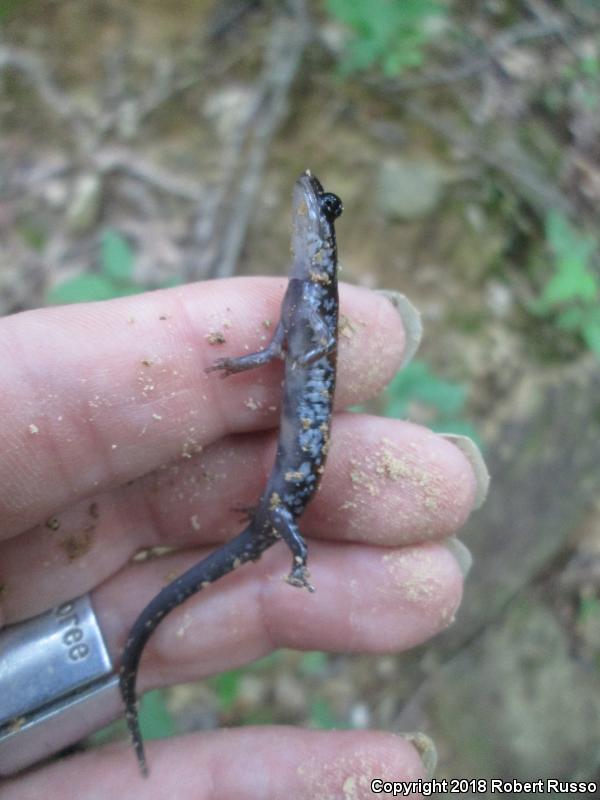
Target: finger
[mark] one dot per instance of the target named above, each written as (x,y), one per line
(387,482)
(368,599)
(251,763)
(98,394)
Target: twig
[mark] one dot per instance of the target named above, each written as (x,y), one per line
(166,91)
(209,225)
(542,195)
(473,66)
(34,177)
(88,130)
(287,42)
(228,16)
(35,71)
(112,160)
(545,16)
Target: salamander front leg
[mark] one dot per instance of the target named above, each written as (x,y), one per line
(284,525)
(275,349)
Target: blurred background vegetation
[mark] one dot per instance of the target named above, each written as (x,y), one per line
(150,144)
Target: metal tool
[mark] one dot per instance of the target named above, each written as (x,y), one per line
(57,684)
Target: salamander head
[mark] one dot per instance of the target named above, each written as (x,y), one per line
(314,214)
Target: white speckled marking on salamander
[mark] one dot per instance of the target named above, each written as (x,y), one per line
(306,339)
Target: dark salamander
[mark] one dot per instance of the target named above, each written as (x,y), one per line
(306,339)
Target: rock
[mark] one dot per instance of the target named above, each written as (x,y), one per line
(498,298)
(84,207)
(229,108)
(540,705)
(290,693)
(409,189)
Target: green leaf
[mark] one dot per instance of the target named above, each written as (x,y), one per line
(417,383)
(112,732)
(572,293)
(591,331)
(33,232)
(571,319)
(81,289)
(589,607)
(125,290)
(227,686)
(258,716)
(156,721)
(321,715)
(313,663)
(350,13)
(572,281)
(590,66)
(8,7)
(558,232)
(171,283)
(565,240)
(390,33)
(116,257)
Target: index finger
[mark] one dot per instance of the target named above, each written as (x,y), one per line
(97,394)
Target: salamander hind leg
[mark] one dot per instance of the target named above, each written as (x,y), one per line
(285,526)
(323,339)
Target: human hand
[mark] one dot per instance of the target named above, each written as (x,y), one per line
(96,400)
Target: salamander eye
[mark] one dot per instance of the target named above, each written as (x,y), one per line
(331,206)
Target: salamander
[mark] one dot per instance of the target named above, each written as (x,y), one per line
(306,340)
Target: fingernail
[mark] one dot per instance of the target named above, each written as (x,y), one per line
(411,320)
(426,750)
(473,455)
(461,553)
